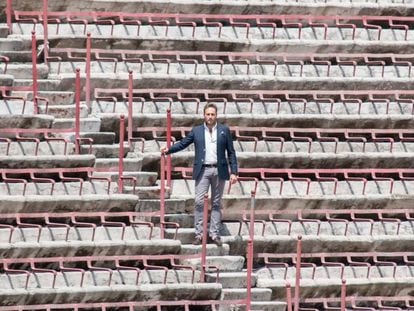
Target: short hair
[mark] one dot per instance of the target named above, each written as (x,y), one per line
(209,105)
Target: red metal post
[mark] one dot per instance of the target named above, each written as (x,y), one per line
(130,108)
(77,111)
(9,15)
(34,72)
(288,296)
(45,32)
(298,264)
(204,239)
(162,195)
(88,71)
(343,295)
(121,152)
(250,252)
(168,145)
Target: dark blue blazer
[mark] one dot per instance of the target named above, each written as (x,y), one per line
(224,143)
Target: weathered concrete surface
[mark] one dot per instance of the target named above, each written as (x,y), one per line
(111,121)
(224,263)
(24,71)
(332,288)
(25,121)
(257,294)
(235,204)
(223,7)
(232,279)
(27,148)
(6,79)
(89,248)
(99,278)
(323,243)
(155,292)
(299,160)
(252,82)
(56,161)
(63,203)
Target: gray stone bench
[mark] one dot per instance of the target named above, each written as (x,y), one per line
(272,190)
(89,248)
(332,288)
(242,108)
(97,278)
(156,292)
(68,203)
(205,69)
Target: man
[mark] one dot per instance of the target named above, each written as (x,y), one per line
(211,168)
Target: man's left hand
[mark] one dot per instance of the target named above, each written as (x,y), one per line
(233,178)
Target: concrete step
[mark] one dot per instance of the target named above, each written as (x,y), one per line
(223,263)
(76,294)
(372,121)
(235,204)
(68,203)
(24,71)
(362,273)
(256,305)
(86,124)
(4,30)
(39,161)
(6,79)
(15,44)
(295,188)
(146,192)
(25,121)
(50,236)
(257,294)
(262,147)
(183,220)
(230,107)
(58,188)
(226,69)
(55,98)
(234,6)
(221,82)
(64,111)
(301,159)
(143,179)
(98,278)
(129,164)
(177,206)
(88,248)
(100,138)
(105,150)
(212,250)
(23,56)
(233,280)
(318,226)
(45,148)
(16,106)
(332,287)
(325,243)
(49,84)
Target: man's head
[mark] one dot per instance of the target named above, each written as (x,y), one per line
(210,115)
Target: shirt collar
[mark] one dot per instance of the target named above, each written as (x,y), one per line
(206,127)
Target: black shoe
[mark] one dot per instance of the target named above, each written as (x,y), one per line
(217,240)
(197,240)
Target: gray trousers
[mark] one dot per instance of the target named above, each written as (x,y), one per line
(208,177)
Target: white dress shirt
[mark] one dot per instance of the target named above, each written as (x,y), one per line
(210,138)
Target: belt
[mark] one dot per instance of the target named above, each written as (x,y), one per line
(209,165)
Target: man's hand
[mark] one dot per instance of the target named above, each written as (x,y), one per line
(233,178)
(164,149)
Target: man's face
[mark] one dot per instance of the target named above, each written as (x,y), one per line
(210,116)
